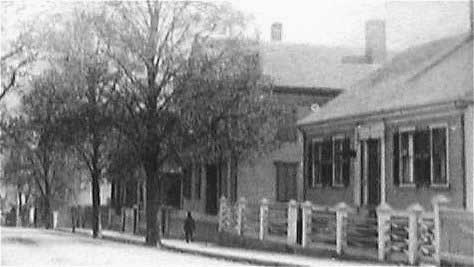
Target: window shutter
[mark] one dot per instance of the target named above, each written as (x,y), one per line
(309,160)
(281,175)
(346,170)
(187,182)
(396,161)
(327,162)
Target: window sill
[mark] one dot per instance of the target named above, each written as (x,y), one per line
(440,186)
(337,186)
(316,186)
(407,186)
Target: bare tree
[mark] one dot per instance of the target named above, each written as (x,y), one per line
(151,42)
(86,124)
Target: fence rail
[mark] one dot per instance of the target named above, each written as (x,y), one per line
(411,235)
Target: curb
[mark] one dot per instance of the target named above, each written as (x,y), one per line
(103,237)
(231,257)
(189,251)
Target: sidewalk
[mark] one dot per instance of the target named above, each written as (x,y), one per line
(225,253)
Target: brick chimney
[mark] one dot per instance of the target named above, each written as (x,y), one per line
(276,32)
(375,41)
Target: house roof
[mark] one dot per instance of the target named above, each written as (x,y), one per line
(436,72)
(311,66)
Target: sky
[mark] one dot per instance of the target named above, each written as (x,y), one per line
(341,22)
(321,22)
(325,22)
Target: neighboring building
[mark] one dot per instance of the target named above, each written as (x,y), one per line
(401,136)
(305,75)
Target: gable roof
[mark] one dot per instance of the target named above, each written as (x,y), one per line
(311,66)
(436,72)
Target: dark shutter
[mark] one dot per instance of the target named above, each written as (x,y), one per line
(187,182)
(197,181)
(291,181)
(309,161)
(233,175)
(223,175)
(396,161)
(326,162)
(346,168)
(280,179)
(112,193)
(439,155)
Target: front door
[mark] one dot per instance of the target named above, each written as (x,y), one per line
(286,181)
(172,190)
(211,189)
(371,172)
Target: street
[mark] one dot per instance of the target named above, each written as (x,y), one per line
(38,247)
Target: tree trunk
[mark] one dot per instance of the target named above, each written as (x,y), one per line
(95,205)
(48,215)
(152,204)
(18,208)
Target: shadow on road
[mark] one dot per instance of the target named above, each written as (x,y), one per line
(19,240)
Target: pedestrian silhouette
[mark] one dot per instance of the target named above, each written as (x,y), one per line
(189,227)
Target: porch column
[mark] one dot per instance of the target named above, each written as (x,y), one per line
(382,168)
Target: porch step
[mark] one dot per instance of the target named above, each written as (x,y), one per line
(362,230)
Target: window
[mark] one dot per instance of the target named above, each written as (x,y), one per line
(287,131)
(420,156)
(329,162)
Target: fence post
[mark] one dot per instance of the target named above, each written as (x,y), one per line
(306,221)
(263,219)
(414,213)
(383,216)
(292,221)
(341,212)
(436,202)
(240,215)
(55,219)
(31,216)
(222,210)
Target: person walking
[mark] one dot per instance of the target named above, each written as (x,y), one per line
(189,227)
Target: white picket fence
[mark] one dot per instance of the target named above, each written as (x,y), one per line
(410,235)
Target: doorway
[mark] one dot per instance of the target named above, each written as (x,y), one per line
(371,159)
(286,181)
(211,189)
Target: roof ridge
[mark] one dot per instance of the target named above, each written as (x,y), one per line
(438,59)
